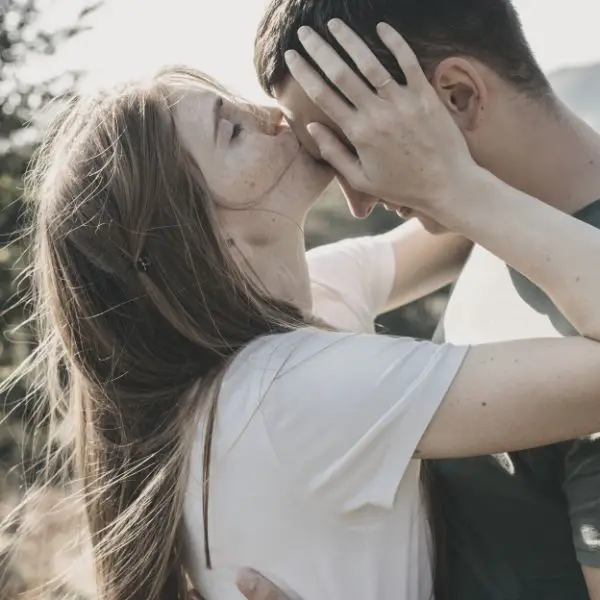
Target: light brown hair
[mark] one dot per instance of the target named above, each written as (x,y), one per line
(138,308)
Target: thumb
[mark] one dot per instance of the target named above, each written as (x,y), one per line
(336,153)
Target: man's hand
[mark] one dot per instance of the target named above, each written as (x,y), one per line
(410,151)
(592,579)
(253,586)
(256,587)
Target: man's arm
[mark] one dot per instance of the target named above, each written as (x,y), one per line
(592,579)
(424,262)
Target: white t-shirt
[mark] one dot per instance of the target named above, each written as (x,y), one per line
(312,479)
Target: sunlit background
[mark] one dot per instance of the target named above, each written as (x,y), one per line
(131,36)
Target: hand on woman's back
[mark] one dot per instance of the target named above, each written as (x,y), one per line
(253,586)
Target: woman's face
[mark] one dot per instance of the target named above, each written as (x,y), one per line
(254,166)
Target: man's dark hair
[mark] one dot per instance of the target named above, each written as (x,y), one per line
(488,30)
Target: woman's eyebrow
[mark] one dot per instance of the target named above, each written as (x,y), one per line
(216,116)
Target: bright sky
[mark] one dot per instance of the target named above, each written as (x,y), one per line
(133,36)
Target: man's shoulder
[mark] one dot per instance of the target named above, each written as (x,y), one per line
(590,214)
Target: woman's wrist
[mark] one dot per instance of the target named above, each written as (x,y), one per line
(471,197)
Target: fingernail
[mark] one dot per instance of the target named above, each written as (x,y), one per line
(303,32)
(290,56)
(334,25)
(246,582)
(313,129)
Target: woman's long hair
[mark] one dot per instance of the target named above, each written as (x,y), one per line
(139,306)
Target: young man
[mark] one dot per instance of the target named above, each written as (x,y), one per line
(524,525)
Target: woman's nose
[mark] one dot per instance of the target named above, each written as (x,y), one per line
(273,120)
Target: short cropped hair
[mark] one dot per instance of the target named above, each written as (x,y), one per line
(488,30)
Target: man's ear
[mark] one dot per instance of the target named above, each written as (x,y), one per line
(462,90)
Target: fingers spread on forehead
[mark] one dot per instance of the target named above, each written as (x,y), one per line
(337,69)
(375,73)
(404,55)
(318,90)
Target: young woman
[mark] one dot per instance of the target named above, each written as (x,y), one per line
(216,421)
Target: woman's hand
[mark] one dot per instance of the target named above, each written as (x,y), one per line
(410,151)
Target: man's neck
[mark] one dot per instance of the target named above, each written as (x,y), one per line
(556,158)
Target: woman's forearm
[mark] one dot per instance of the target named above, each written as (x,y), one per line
(557,252)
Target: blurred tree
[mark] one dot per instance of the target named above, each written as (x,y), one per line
(23,40)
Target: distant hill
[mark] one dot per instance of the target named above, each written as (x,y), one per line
(579,88)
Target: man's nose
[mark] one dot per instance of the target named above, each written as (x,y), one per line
(360,204)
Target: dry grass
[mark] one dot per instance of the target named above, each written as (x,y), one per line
(52,560)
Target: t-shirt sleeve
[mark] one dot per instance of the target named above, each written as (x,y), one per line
(346,412)
(358,271)
(582,489)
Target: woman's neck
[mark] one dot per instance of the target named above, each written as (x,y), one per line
(281,267)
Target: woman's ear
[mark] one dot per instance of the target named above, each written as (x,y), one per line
(462,90)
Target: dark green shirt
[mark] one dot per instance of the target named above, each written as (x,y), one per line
(518,525)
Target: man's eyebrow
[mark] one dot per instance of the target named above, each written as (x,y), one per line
(218,105)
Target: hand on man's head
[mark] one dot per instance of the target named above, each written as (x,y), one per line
(409,150)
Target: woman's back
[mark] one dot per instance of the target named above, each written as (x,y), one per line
(311,477)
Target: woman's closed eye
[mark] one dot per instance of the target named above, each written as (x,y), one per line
(236,131)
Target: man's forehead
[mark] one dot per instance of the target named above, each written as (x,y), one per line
(293,99)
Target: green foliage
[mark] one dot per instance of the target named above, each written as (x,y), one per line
(23,41)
